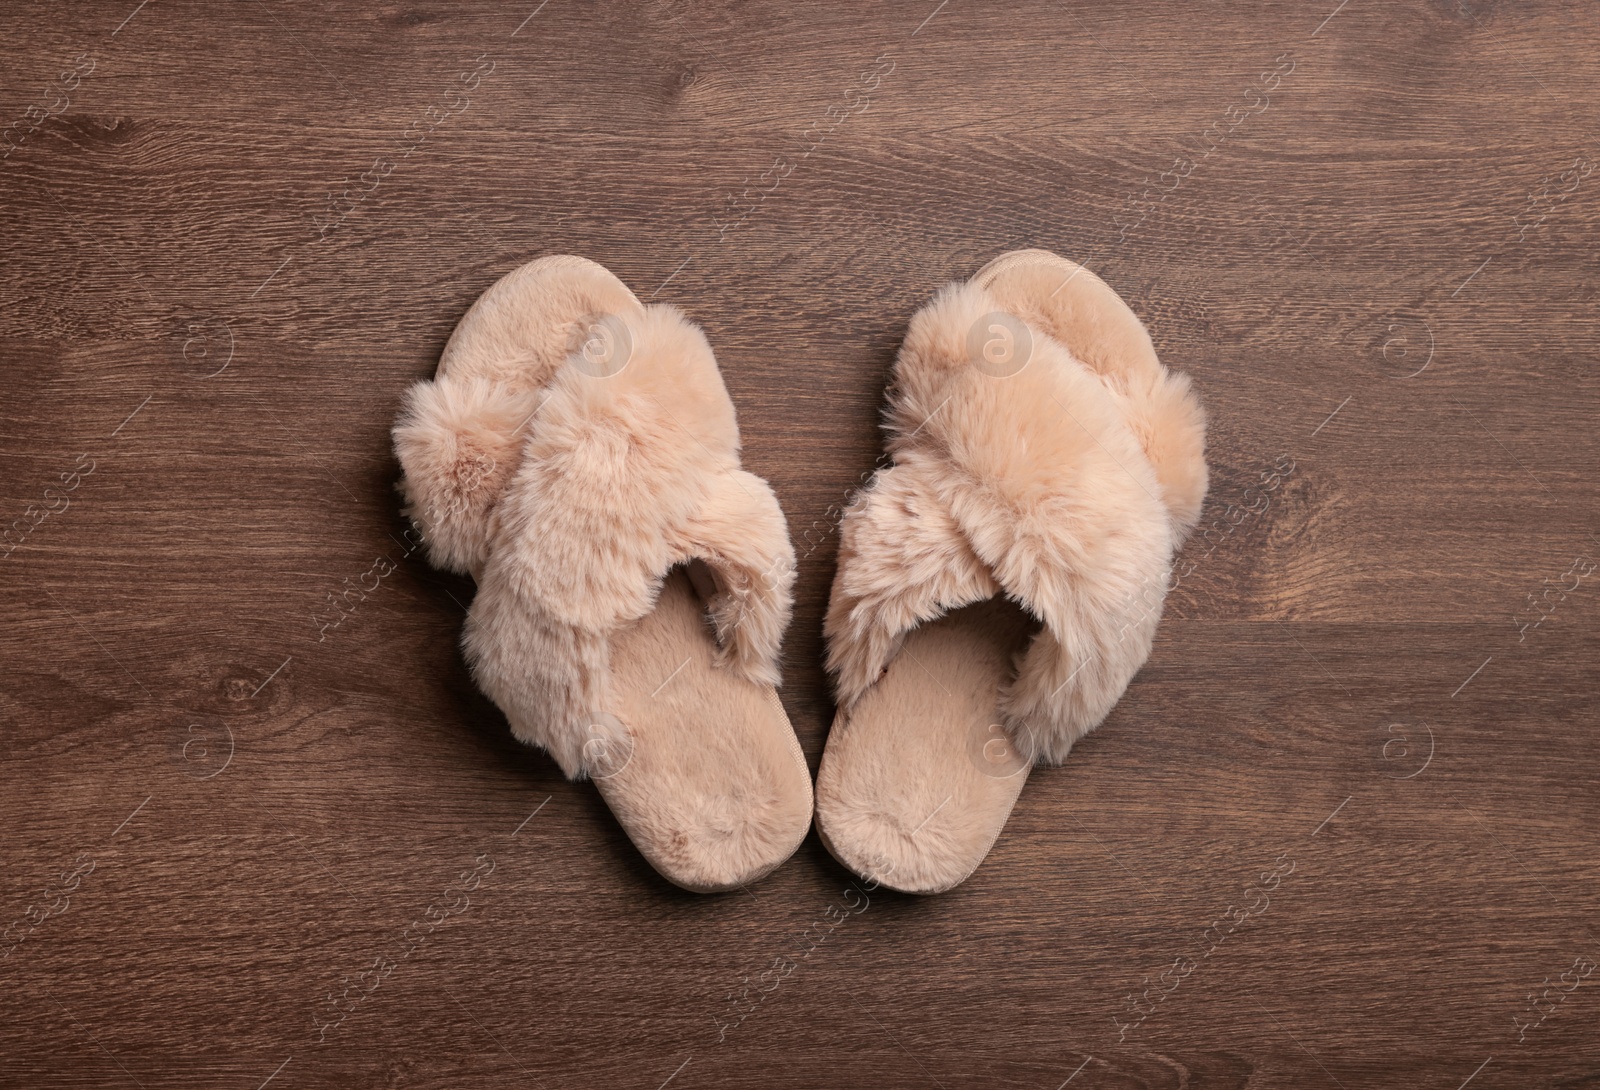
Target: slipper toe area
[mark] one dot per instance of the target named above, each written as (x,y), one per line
(717,823)
(926,840)
(919,777)
(707,777)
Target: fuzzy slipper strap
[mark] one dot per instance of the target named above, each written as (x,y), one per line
(459,442)
(739,532)
(1033,483)
(903,561)
(622,476)
(460,434)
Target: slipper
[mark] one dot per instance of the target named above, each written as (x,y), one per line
(577,455)
(999,585)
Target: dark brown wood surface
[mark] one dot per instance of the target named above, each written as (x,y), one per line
(1367,230)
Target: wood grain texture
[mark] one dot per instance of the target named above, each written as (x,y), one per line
(1378,265)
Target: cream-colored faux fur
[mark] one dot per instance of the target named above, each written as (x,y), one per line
(1106,336)
(460,434)
(459,442)
(570,501)
(1062,486)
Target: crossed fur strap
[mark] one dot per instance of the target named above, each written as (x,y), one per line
(1036,484)
(571,527)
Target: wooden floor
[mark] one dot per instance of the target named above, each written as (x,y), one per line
(1342,829)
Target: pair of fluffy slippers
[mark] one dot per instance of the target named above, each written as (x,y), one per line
(998,586)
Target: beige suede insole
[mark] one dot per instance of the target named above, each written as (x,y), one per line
(919,777)
(701,766)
